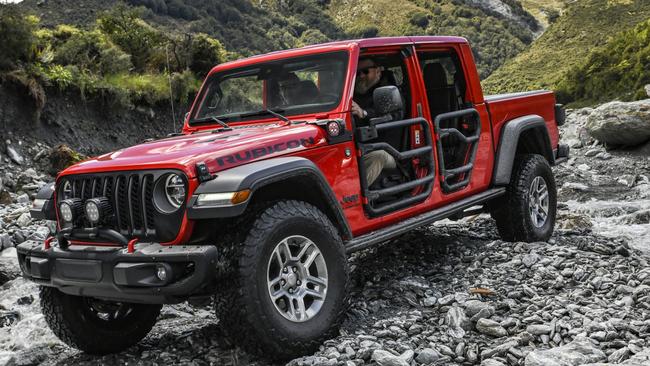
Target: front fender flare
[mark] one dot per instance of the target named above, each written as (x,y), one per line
(258,174)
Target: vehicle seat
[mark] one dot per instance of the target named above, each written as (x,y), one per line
(307,92)
(439,92)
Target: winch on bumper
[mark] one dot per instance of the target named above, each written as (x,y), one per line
(153,274)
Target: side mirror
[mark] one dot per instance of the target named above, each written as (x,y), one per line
(387,99)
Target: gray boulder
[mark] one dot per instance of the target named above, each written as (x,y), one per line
(490,327)
(385,358)
(619,123)
(578,352)
(9,268)
(457,322)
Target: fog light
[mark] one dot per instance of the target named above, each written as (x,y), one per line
(70,209)
(97,209)
(161,273)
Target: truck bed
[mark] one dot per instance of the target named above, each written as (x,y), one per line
(505,107)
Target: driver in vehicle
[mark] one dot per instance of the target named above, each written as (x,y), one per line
(369,78)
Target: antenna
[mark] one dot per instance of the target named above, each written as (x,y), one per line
(171,95)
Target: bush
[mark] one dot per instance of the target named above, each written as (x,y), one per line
(419,19)
(365,32)
(92,51)
(16,37)
(312,36)
(205,53)
(59,75)
(123,26)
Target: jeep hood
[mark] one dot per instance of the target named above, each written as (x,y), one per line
(219,150)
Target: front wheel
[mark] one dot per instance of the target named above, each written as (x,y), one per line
(287,291)
(96,326)
(528,209)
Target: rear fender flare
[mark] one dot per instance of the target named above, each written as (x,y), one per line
(509,144)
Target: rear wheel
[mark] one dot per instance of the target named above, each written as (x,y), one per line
(528,209)
(287,290)
(96,326)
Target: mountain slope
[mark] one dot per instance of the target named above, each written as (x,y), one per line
(567,43)
(495,35)
(497,29)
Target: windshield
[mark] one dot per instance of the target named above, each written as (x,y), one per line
(300,85)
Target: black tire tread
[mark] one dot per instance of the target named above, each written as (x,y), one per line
(234,306)
(511,213)
(72,332)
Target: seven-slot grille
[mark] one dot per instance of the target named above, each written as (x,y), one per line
(131,198)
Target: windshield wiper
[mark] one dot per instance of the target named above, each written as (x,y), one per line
(267,111)
(211,118)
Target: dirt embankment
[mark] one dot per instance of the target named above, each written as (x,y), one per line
(91,127)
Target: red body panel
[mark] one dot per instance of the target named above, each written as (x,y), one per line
(267,138)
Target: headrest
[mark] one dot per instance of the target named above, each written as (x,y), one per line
(435,75)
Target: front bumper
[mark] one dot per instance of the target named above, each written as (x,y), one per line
(114,274)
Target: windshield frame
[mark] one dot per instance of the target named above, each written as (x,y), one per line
(345,55)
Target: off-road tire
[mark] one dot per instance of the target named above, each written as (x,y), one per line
(511,211)
(72,320)
(242,302)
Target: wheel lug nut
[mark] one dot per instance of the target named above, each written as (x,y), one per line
(298,282)
(291,290)
(285,270)
(283,282)
(295,269)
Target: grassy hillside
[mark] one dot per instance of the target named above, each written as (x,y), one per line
(567,43)
(249,27)
(494,37)
(545,11)
(617,70)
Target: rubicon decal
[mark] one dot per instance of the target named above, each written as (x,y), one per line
(244,156)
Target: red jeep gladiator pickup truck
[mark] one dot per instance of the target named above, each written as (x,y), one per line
(260,199)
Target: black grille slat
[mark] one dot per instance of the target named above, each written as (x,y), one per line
(122,204)
(149,209)
(135,211)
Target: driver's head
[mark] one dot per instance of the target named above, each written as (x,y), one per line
(368,74)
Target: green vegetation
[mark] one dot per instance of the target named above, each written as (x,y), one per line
(618,70)
(567,44)
(120,59)
(494,38)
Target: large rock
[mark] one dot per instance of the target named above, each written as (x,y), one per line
(619,123)
(640,359)
(14,155)
(9,268)
(578,352)
(490,327)
(385,358)
(457,322)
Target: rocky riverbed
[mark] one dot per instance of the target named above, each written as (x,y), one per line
(448,294)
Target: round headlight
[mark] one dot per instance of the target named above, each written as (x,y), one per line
(175,190)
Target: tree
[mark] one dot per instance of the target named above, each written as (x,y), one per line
(16,36)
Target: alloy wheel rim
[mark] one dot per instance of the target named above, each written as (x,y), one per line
(538,201)
(297,278)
